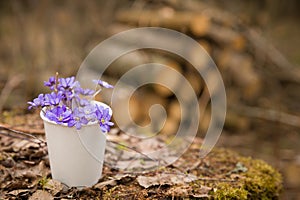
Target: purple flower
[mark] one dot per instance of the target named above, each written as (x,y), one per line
(104,117)
(78,119)
(53,98)
(66,83)
(39,101)
(59,114)
(65,105)
(90,112)
(83,102)
(50,83)
(68,95)
(85,92)
(103,84)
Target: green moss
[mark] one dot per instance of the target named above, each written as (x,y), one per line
(226,191)
(262,181)
(110,194)
(258,181)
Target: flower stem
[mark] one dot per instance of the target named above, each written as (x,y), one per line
(56,83)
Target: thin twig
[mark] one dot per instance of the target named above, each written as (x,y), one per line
(7,134)
(173,173)
(203,102)
(25,130)
(21,133)
(56,82)
(122,145)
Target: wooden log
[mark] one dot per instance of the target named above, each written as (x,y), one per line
(162,18)
(200,59)
(121,106)
(204,121)
(165,77)
(170,127)
(203,102)
(194,82)
(134,105)
(206,45)
(242,71)
(174,110)
(218,16)
(227,36)
(220,34)
(200,25)
(122,64)
(197,23)
(146,100)
(116,28)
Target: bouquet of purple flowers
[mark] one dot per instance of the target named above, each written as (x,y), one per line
(71,105)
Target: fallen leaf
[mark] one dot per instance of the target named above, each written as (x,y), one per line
(121,176)
(29,175)
(18,192)
(54,186)
(202,192)
(165,179)
(41,194)
(105,183)
(137,164)
(18,145)
(9,162)
(42,169)
(180,191)
(16,184)
(150,145)
(201,196)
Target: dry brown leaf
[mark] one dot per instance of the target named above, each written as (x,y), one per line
(29,174)
(201,196)
(138,164)
(18,192)
(179,191)
(9,162)
(119,177)
(41,194)
(42,169)
(105,183)
(16,184)
(54,186)
(165,179)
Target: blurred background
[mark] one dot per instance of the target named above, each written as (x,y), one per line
(255,45)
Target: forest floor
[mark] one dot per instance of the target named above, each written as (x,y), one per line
(25,172)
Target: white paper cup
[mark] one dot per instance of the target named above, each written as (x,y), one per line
(76,156)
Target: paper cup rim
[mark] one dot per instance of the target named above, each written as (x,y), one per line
(45,119)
